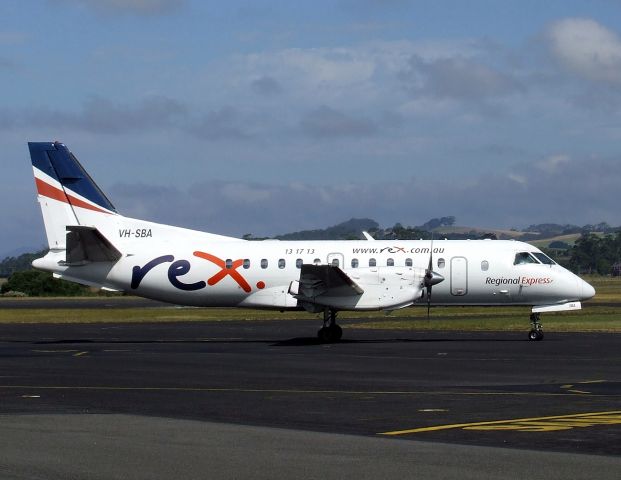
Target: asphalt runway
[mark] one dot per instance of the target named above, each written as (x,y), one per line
(437,395)
(80,302)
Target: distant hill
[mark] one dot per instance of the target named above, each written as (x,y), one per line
(444,227)
(476,232)
(349,230)
(569,240)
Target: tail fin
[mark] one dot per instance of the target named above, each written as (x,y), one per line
(67,194)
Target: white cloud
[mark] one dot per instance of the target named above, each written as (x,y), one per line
(571,194)
(102,116)
(459,78)
(587,49)
(553,163)
(360,73)
(519,179)
(135,7)
(242,193)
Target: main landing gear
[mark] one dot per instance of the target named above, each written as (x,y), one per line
(330,332)
(536,333)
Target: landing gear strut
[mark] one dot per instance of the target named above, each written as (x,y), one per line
(330,332)
(536,333)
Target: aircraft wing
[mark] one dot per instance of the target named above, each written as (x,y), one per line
(326,280)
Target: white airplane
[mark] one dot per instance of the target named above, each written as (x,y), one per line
(92,244)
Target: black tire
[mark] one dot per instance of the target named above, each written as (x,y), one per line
(330,334)
(539,335)
(324,335)
(533,335)
(337,333)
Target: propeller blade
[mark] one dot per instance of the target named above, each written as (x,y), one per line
(428,301)
(429,278)
(430,255)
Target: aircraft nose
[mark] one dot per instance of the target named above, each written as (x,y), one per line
(587,290)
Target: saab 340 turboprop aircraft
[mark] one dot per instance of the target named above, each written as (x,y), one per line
(92,244)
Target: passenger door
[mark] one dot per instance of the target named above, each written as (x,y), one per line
(459,276)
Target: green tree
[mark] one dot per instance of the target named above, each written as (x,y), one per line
(592,253)
(34,283)
(10,265)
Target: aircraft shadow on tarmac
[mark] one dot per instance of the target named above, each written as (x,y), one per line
(303,341)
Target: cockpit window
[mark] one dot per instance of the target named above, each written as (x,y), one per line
(543,258)
(524,257)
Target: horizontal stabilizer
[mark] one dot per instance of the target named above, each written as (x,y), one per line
(88,245)
(316,280)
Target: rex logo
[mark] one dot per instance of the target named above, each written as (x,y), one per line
(179,268)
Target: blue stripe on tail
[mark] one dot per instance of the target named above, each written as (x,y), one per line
(55,160)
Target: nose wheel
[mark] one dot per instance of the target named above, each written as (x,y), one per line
(330,332)
(536,333)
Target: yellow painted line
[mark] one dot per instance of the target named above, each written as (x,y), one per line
(566,386)
(79,354)
(593,381)
(537,424)
(580,391)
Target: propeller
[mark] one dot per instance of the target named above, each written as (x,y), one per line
(431,278)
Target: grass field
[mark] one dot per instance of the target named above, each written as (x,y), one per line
(544,243)
(602,314)
(608,289)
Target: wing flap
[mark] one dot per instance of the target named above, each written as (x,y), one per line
(326,280)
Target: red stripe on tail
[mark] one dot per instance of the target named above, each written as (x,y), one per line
(49,191)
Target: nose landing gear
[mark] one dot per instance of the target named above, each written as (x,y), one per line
(330,332)
(536,333)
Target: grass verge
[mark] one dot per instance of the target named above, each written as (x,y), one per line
(592,319)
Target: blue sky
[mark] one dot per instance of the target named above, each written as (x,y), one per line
(266,117)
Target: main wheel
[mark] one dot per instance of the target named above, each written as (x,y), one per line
(535,335)
(323,334)
(330,334)
(337,332)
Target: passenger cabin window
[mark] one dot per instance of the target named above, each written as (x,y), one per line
(298,263)
(246,263)
(390,262)
(228,263)
(335,262)
(264,263)
(354,263)
(408,262)
(372,262)
(543,258)
(441,263)
(522,258)
(281,263)
(485,265)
